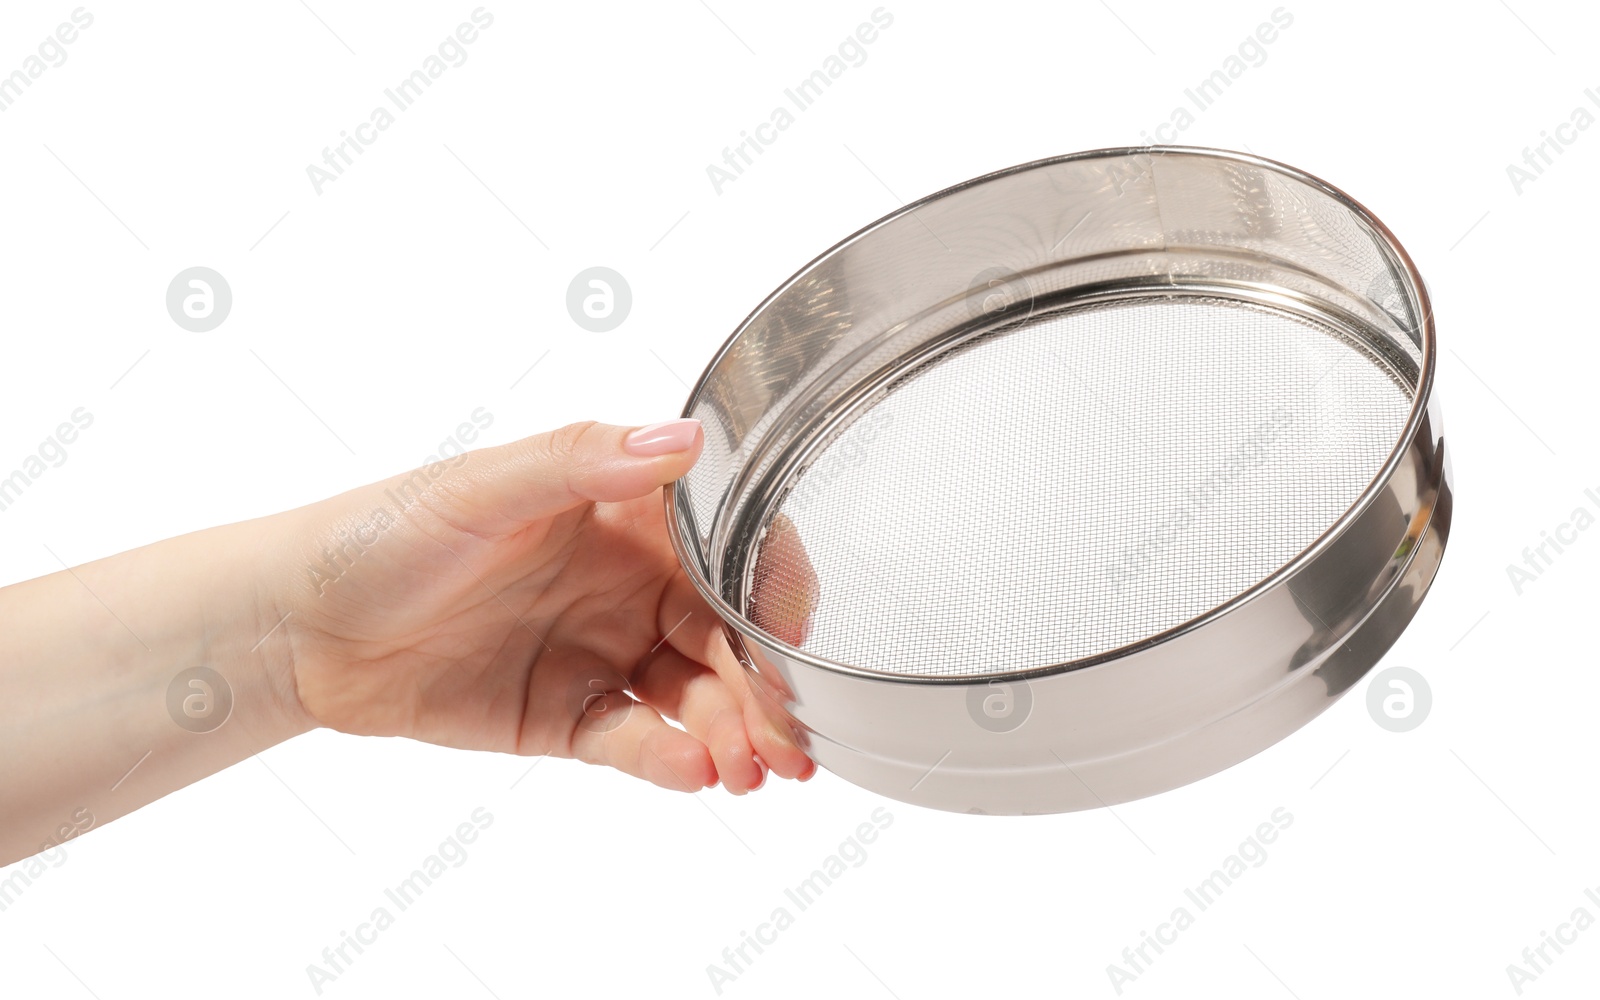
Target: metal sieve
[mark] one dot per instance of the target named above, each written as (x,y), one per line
(1075,482)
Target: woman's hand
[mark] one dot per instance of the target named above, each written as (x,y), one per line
(508,599)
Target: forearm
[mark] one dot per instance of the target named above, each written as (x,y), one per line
(98,719)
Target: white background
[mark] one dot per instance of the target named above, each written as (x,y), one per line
(411,292)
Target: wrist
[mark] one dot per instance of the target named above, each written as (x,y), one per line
(249,585)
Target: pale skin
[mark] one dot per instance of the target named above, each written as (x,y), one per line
(506,601)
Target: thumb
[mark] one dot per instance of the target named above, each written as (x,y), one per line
(544,475)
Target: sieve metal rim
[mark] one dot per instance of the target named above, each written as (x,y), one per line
(1416,290)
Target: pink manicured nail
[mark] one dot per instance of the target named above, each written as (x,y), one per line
(665,438)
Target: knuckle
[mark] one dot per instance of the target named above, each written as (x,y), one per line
(561,453)
(563,445)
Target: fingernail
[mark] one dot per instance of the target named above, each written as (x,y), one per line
(764,772)
(665,438)
(810,771)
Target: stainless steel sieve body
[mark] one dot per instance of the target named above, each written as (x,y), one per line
(1075,482)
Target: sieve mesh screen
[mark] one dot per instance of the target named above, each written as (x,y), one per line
(1062,488)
